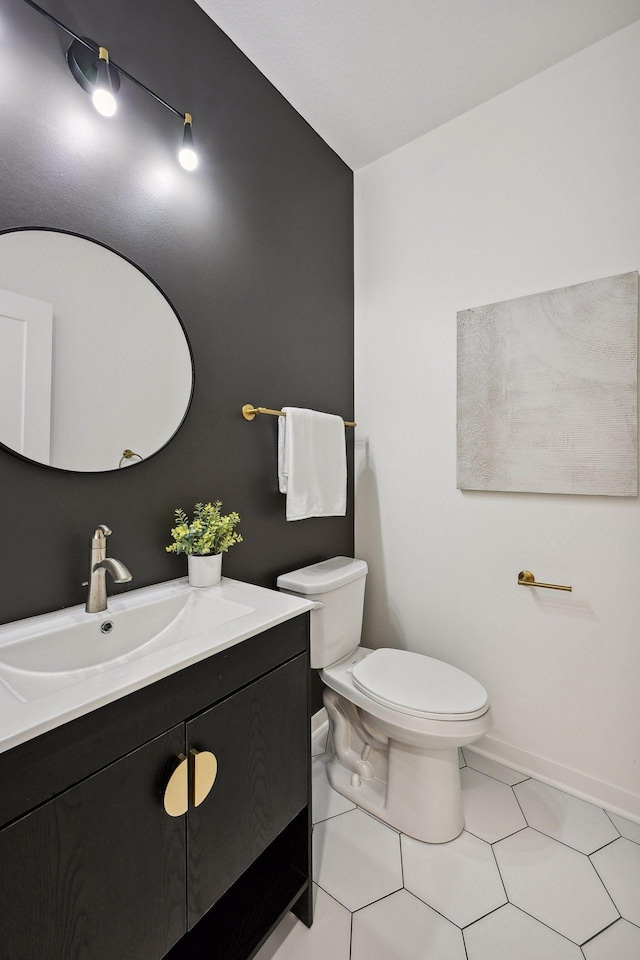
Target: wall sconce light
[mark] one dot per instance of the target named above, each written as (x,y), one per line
(92,67)
(188,156)
(103,98)
(95,74)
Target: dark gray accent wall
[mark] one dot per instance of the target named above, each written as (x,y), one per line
(254,250)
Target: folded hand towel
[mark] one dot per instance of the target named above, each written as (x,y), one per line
(312,463)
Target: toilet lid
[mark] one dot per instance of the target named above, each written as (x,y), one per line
(421,686)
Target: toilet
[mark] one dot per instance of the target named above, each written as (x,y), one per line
(397,718)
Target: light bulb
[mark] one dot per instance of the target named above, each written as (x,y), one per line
(104,102)
(102,96)
(187,155)
(188,158)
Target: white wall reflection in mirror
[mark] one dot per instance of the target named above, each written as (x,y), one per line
(93,358)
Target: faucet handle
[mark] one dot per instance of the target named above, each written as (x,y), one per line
(102,530)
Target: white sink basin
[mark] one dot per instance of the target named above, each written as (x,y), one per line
(59,666)
(92,641)
(48,653)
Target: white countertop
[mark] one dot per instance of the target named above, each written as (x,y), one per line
(185,641)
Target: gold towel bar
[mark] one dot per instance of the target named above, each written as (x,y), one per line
(249,412)
(527,579)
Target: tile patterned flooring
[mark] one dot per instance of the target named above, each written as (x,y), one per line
(537,874)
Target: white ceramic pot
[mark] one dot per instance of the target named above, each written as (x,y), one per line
(205,571)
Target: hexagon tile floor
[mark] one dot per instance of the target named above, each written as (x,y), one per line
(537,874)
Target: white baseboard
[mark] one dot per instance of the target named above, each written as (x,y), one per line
(578,784)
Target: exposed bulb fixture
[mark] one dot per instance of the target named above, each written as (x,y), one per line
(101,79)
(97,77)
(102,96)
(187,155)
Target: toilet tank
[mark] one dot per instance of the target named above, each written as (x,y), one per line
(337,585)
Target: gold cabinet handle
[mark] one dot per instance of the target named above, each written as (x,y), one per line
(527,579)
(204,769)
(176,793)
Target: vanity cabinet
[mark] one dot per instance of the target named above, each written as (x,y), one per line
(100,871)
(261,781)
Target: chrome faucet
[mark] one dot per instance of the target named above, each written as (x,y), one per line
(100,563)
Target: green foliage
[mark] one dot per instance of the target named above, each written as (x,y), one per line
(209,532)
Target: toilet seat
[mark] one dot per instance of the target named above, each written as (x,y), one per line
(419,686)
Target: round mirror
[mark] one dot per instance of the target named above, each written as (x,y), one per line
(96,371)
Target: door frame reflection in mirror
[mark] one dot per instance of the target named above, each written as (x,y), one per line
(121,453)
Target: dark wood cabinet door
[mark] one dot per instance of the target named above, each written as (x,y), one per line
(259,737)
(99,872)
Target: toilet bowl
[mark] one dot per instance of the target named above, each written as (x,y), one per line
(397,718)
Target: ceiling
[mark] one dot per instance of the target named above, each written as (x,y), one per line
(372,75)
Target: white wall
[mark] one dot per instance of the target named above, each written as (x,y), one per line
(534,190)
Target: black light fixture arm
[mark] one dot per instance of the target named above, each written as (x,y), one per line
(94,48)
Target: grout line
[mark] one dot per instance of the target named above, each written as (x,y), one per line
(608,926)
(398,833)
(518,802)
(330,895)
(621,835)
(611,821)
(431,907)
(563,935)
(555,839)
(499,873)
(377,900)
(350,936)
(630,839)
(334,816)
(605,886)
(491,842)
(491,777)
(497,779)
(464,945)
(605,845)
(551,837)
(568,845)
(485,915)
(333,896)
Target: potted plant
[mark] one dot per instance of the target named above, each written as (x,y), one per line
(204,539)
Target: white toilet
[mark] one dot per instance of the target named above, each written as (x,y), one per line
(397,718)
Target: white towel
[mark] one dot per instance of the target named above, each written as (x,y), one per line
(312,464)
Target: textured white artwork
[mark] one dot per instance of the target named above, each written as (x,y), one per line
(547,391)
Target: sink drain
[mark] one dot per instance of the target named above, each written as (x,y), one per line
(106,627)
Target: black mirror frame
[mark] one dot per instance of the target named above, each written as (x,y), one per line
(99,243)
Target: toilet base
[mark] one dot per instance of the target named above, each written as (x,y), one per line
(422,796)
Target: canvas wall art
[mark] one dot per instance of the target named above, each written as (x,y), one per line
(547,391)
